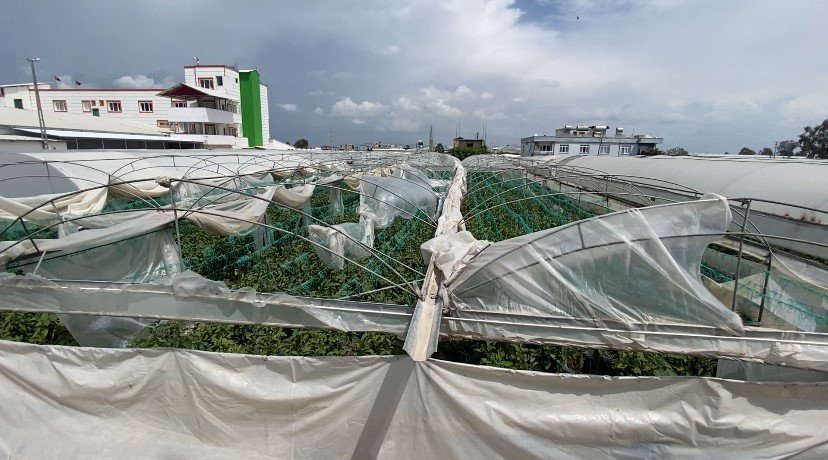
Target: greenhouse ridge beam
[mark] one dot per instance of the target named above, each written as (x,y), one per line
(151,301)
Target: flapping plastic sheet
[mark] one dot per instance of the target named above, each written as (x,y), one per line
(234,217)
(382,199)
(337,243)
(64,402)
(636,266)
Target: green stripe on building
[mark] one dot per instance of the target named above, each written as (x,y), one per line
(251,107)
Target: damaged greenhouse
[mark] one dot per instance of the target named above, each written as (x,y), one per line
(178,291)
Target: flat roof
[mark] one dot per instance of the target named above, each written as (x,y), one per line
(193,66)
(104,135)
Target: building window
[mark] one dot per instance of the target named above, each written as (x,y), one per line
(2,92)
(625,149)
(59,106)
(101,103)
(113,106)
(219,81)
(563,148)
(96,112)
(584,149)
(604,150)
(87,105)
(176,103)
(163,123)
(205,83)
(145,106)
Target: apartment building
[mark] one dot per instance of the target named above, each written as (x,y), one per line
(588,140)
(216,105)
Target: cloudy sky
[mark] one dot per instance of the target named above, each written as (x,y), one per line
(711,76)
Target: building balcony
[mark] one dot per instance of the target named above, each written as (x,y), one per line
(199,115)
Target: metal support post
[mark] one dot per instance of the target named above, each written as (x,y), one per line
(177,231)
(739,256)
(40,119)
(765,287)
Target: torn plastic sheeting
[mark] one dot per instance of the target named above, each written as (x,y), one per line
(234,217)
(478,326)
(199,300)
(336,243)
(448,251)
(66,402)
(42,208)
(297,197)
(140,259)
(10,250)
(423,333)
(382,199)
(353,180)
(640,265)
(190,284)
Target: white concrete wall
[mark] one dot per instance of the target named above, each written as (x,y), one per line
(265,114)
(10,93)
(129,103)
(230,86)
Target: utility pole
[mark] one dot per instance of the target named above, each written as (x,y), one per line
(40,119)
(430,138)
(330,136)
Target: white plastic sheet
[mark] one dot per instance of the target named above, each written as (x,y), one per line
(64,402)
(337,243)
(382,199)
(637,266)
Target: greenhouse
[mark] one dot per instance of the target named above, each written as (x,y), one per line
(357,304)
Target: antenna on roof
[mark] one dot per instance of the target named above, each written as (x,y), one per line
(196,60)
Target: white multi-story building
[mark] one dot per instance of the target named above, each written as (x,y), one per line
(217,105)
(588,140)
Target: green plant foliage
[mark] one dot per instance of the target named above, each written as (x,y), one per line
(501,206)
(38,328)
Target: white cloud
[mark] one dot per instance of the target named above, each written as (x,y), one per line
(348,108)
(390,50)
(445,110)
(357,121)
(518,100)
(288,107)
(135,81)
(343,75)
(319,111)
(320,92)
(406,104)
(486,95)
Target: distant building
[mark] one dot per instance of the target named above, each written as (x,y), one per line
(588,140)
(216,106)
(469,143)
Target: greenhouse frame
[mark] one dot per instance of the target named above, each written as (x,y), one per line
(133,250)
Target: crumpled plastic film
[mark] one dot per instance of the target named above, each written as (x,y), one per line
(336,243)
(382,199)
(636,266)
(449,251)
